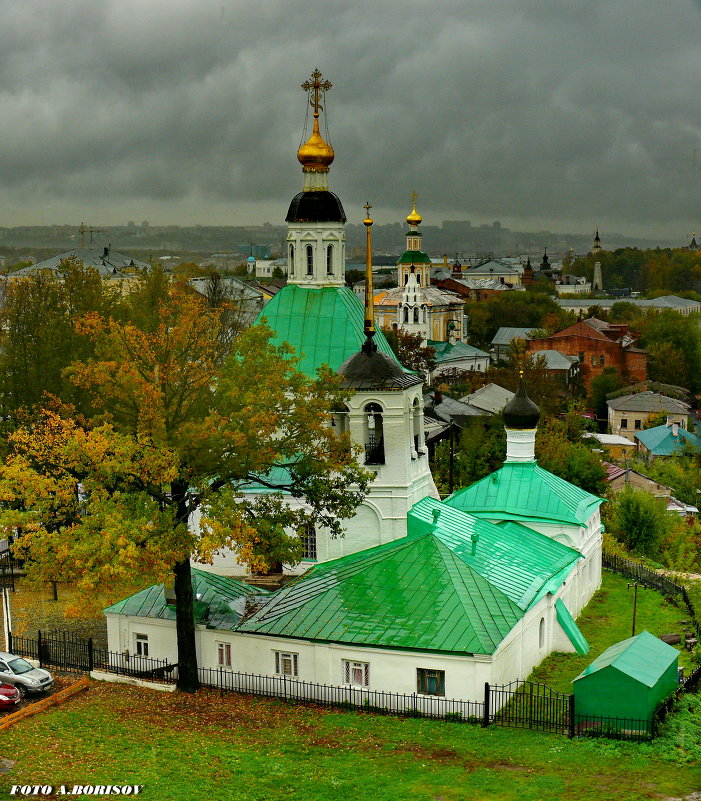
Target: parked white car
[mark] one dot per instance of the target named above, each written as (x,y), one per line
(25,677)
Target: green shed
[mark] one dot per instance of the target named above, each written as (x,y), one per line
(628,680)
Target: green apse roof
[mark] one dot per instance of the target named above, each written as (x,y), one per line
(414,257)
(423,592)
(219,600)
(524,491)
(323,324)
(643,657)
(571,629)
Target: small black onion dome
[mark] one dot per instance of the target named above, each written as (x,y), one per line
(375,370)
(315,206)
(521,412)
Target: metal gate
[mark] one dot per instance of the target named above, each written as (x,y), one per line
(529,705)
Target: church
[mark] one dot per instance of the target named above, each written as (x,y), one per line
(421,596)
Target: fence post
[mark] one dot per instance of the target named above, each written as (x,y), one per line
(571,711)
(91,658)
(39,648)
(485,717)
(9,640)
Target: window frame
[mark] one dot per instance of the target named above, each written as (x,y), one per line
(280,657)
(226,648)
(422,678)
(347,668)
(141,645)
(310,260)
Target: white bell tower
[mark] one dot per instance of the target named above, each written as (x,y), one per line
(316,231)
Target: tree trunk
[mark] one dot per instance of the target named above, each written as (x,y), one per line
(188,678)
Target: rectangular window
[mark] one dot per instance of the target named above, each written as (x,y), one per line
(309,542)
(224,654)
(356,673)
(141,644)
(638,425)
(593,360)
(581,355)
(602,360)
(285,664)
(430,682)
(624,423)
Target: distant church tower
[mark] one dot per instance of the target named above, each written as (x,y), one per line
(316,234)
(596,248)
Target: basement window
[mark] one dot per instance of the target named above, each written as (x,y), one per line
(430,682)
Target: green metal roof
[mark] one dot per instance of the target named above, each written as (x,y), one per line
(524,491)
(448,350)
(571,629)
(514,558)
(423,592)
(414,257)
(643,657)
(219,600)
(323,324)
(660,440)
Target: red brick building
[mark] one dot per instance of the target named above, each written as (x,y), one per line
(598,345)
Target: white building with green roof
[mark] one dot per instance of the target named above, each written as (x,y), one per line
(481,588)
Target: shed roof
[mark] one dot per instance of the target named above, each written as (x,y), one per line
(323,324)
(425,591)
(218,600)
(524,491)
(644,658)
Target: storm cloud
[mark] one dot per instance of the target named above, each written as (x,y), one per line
(543,114)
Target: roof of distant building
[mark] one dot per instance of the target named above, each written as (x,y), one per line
(648,402)
(491,397)
(448,351)
(663,441)
(108,262)
(506,335)
(554,360)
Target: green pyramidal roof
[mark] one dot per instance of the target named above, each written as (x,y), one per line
(426,591)
(218,600)
(414,257)
(524,491)
(323,324)
(643,657)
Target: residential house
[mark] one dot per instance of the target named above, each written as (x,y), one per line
(562,368)
(598,345)
(628,414)
(618,447)
(459,357)
(503,339)
(666,440)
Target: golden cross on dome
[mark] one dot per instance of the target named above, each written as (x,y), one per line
(413,199)
(367,208)
(316,86)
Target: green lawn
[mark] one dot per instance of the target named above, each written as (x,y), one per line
(187,748)
(607,619)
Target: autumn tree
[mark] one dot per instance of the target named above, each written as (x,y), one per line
(409,351)
(186,419)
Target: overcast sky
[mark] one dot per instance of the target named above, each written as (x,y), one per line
(544,114)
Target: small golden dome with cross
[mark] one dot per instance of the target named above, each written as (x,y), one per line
(315,155)
(413,218)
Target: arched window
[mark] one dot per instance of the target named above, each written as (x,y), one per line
(310,260)
(416,315)
(425,318)
(340,420)
(329,259)
(541,633)
(406,278)
(308,535)
(406,314)
(374,440)
(416,421)
(291,266)
(418,278)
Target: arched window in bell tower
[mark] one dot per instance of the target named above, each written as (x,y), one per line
(329,259)
(310,260)
(416,315)
(417,434)
(291,260)
(374,439)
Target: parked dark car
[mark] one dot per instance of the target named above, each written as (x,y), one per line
(25,677)
(9,696)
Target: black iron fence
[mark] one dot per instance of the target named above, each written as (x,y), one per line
(528,705)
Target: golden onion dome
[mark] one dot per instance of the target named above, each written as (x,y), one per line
(413,218)
(315,154)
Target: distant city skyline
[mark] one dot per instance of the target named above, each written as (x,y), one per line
(540,114)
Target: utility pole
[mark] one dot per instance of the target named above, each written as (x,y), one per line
(635,586)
